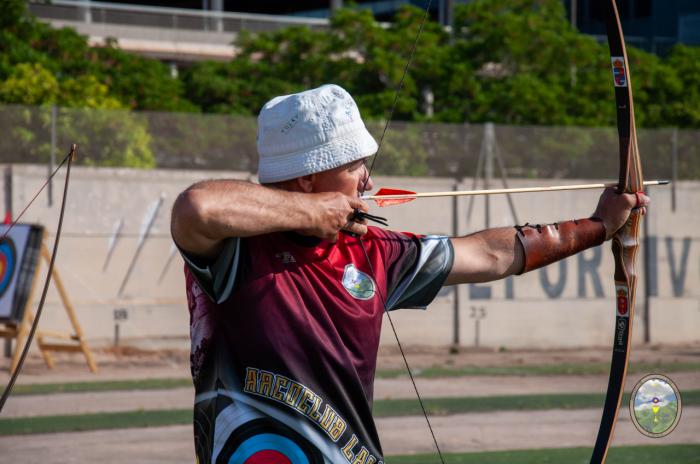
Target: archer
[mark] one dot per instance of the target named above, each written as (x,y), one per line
(287,285)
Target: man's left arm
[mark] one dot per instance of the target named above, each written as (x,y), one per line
(493,254)
(484,256)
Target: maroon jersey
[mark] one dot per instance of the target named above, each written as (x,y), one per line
(285,332)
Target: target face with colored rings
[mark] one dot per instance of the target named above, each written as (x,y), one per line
(8,264)
(268,448)
(264,441)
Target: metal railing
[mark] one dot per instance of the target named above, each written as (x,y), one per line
(89,12)
(220,141)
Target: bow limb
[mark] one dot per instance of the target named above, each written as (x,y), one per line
(13,377)
(625,242)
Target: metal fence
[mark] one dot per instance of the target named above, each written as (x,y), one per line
(102,246)
(205,141)
(90,12)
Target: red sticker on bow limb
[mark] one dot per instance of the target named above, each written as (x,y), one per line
(622,300)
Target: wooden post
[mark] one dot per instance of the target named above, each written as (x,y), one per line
(70,311)
(22,330)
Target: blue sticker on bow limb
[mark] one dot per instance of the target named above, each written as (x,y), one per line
(619,71)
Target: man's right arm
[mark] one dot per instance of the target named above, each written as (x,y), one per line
(209,212)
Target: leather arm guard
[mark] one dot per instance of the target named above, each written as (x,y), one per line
(548,243)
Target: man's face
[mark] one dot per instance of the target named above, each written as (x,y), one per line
(348,179)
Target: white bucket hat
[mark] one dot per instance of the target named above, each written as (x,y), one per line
(308,132)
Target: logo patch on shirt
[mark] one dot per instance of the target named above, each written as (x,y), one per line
(357,283)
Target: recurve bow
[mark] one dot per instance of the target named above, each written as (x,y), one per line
(68,159)
(625,243)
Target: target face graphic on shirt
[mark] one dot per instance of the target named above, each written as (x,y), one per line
(263,441)
(8,264)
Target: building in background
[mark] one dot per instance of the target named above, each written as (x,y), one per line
(383,10)
(181,31)
(652,25)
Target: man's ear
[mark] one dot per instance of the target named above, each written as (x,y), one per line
(306,183)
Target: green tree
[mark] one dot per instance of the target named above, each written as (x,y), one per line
(529,66)
(41,66)
(29,84)
(140,83)
(674,95)
(137,82)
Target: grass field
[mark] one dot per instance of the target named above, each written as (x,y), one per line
(136,414)
(666,454)
(550,369)
(382,408)
(100,386)
(431,372)
(445,406)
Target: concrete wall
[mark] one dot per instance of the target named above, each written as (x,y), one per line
(569,304)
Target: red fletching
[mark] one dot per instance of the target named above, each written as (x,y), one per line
(392,201)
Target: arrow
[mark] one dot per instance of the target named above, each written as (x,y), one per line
(112,243)
(146,226)
(171,255)
(390,197)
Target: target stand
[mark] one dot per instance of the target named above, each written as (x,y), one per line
(47,341)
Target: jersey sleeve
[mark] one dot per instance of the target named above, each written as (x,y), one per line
(417,268)
(217,278)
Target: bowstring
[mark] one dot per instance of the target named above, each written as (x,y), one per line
(36,195)
(397,94)
(362,244)
(403,355)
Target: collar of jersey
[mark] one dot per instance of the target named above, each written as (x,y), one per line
(314,248)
